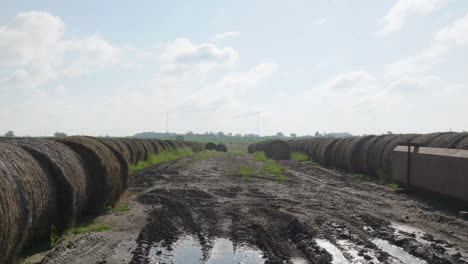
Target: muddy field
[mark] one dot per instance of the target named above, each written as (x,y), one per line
(197,209)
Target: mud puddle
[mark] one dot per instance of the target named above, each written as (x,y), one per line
(188,250)
(397,252)
(337,256)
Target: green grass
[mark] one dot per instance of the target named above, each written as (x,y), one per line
(270,166)
(360,176)
(311,162)
(384,177)
(121,208)
(54,237)
(299,156)
(161,157)
(393,185)
(245,171)
(92,226)
(205,154)
(260,155)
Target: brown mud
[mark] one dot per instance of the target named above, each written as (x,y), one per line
(288,219)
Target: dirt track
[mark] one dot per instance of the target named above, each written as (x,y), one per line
(289,221)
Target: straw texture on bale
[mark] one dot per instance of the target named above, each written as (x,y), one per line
(132,149)
(210,146)
(446,140)
(274,149)
(310,147)
(140,150)
(425,139)
(386,157)
(148,146)
(120,147)
(350,152)
(156,145)
(120,151)
(324,149)
(67,171)
(375,153)
(28,201)
(103,168)
(221,148)
(172,144)
(462,143)
(337,151)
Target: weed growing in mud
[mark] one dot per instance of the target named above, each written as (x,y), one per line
(54,237)
(299,156)
(384,177)
(122,208)
(360,176)
(205,154)
(270,166)
(160,157)
(92,226)
(393,185)
(245,171)
(311,162)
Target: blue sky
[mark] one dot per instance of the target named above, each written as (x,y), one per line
(116,67)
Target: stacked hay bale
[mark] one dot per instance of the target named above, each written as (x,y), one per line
(210,146)
(386,156)
(28,201)
(375,152)
(350,152)
(122,153)
(323,152)
(274,149)
(105,181)
(221,147)
(66,169)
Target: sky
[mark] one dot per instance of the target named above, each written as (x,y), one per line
(120,67)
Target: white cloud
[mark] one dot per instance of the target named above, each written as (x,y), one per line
(33,51)
(418,63)
(321,21)
(397,15)
(182,57)
(346,82)
(93,53)
(225,35)
(456,33)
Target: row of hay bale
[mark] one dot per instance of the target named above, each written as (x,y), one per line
(370,155)
(212,146)
(274,149)
(56,181)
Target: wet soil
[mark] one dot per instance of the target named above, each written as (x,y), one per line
(311,215)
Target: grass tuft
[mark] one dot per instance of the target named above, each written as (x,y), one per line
(54,237)
(161,157)
(299,156)
(92,226)
(122,208)
(393,185)
(270,166)
(245,171)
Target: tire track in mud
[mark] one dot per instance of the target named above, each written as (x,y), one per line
(207,200)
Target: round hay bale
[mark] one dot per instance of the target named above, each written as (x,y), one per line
(337,154)
(386,157)
(425,139)
(274,149)
(360,154)
(310,147)
(156,145)
(462,143)
(210,146)
(66,169)
(143,148)
(446,140)
(28,201)
(375,152)
(221,148)
(132,149)
(121,152)
(350,152)
(323,150)
(172,144)
(165,145)
(119,146)
(103,168)
(140,150)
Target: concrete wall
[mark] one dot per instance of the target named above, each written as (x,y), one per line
(439,170)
